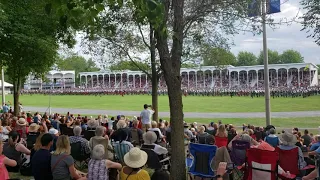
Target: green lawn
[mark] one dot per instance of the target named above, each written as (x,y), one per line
(190,103)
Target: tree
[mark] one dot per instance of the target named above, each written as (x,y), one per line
(245,58)
(78,64)
(28,41)
(215,56)
(311,19)
(273,57)
(128,65)
(291,56)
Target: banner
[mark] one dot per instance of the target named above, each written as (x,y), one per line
(273,6)
(254,8)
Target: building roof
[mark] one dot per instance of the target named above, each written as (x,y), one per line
(5,84)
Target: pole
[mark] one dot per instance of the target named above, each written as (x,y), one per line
(2,88)
(266,69)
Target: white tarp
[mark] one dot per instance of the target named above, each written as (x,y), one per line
(6,84)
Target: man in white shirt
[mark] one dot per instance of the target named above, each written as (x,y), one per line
(146,116)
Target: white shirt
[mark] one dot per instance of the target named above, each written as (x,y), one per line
(159,149)
(146,116)
(156,129)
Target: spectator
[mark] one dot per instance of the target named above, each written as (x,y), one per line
(135,159)
(306,138)
(55,135)
(85,150)
(288,141)
(41,160)
(122,137)
(221,131)
(98,166)
(150,138)
(4,161)
(146,117)
(204,137)
(21,128)
(62,163)
(100,138)
(243,137)
(154,127)
(32,135)
(316,145)
(160,175)
(272,138)
(4,131)
(13,149)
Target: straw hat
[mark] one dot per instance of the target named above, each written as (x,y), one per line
(33,127)
(288,139)
(135,158)
(22,122)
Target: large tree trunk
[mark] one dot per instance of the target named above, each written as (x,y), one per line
(154,78)
(171,70)
(16,96)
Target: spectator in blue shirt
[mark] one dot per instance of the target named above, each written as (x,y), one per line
(315,145)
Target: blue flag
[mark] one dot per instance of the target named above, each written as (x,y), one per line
(273,6)
(254,8)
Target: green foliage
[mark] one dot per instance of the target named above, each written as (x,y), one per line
(291,56)
(188,65)
(77,63)
(273,57)
(129,65)
(311,18)
(214,56)
(288,56)
(245,58)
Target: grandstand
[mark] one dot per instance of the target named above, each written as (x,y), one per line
(209,77)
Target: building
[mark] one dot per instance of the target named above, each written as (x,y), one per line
(281,75)
(53,80)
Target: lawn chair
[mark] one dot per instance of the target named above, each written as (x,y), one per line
(120,150)
(261,164)
(200,163)
(238,156)
(78,156)
(88,134)
(288,161)
(135,138)
(154,161)
(221,141)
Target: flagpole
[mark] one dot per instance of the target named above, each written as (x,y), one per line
(266,69)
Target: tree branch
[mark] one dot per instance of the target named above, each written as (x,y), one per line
(142,35)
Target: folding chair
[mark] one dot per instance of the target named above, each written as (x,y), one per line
(154,161)
(261,164)
(221,141)
(200,163)
(135,139)
(288,161)
(78,156)
(238,156)
(88,134)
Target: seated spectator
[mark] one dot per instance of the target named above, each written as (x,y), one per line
(306,138)
(160,175)
(231,134)
(92,124)
(4,131)
(85,150)
(122,136)
(55,135)
(251,134)
(243,137)
(272,138)
(154,127)
(32,135)
(41,160)
(188,135)
(98,166)
(121,125)
(221,132)
(4,161)
(316,145)
(204,137)
(13,149)
(21,128)
(150,138)
(135,160)
(100,138)
(288,141)
(62,163)
(135,124)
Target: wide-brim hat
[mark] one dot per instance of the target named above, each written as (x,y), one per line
(135,158)
(53,131)
(149,137)
(92,123)
(185,125)
(33,127)
(288,139)
(22,122)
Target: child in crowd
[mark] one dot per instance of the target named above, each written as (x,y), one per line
(3,162)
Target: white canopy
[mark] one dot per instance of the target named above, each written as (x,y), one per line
(5,84)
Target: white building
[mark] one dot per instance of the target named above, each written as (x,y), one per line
(281,75)
(53,80)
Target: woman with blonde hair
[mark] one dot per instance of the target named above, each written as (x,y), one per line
(221,132)
(62,163)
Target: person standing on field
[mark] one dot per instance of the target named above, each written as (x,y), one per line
(146,116)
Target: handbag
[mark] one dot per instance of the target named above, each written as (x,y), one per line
(25,168)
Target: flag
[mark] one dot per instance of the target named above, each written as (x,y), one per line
(273,6)
(254,8)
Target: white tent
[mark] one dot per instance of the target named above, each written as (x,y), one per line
(6,85)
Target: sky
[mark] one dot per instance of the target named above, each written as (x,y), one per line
(283,38)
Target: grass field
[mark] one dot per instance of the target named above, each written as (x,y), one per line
(190,103)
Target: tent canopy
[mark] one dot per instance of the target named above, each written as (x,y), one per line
(5,84)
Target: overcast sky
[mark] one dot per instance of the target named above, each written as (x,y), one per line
(283,38)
